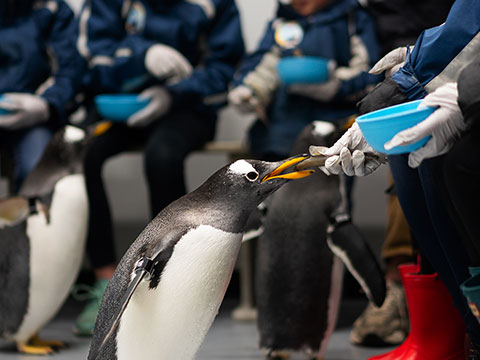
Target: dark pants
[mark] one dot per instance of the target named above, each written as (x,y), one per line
(462,178)
(165,144)
(421,194)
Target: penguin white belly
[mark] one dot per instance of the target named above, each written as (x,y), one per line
(171,321)
(56,252)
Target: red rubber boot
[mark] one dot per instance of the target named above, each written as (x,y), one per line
(395,353)
(436,329)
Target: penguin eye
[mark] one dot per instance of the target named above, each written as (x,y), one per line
(252,176)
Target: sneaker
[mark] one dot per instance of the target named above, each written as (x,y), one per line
(85,322)
(387,325)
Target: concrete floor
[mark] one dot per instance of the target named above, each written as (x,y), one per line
(226,340)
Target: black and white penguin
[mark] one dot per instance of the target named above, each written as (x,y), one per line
(42,240)
(168,287)
(298,278)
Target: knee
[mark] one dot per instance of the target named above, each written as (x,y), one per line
(161,158)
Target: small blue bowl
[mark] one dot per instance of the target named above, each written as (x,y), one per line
(4,111)
(382,125)
(303,70)
(119,107)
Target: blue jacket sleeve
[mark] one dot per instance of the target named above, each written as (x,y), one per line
(365,57)
(250,62)
(225,49)
(437,47)
(115,58)
(70,66)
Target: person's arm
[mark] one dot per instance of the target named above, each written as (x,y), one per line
(115,58)
(351,81)
(431,63)
(225,49)
(65,82)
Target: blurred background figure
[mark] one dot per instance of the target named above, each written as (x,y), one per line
(40,74)
(179,55)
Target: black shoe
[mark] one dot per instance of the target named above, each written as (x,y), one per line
(474,352)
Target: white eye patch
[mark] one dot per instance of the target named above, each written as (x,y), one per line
(323,128)
(241,167)
(73,134)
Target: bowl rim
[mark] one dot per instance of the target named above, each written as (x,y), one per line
(363,119)
(118,99)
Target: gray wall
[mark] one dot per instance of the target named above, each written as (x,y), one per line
(124,175)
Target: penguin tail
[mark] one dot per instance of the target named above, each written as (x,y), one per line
(347,242)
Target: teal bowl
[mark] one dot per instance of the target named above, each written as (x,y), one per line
(303,70)
(4,111)
(382,125)
(119,107)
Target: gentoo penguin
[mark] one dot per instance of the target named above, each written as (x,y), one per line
(298,279)
(42,237)
(168,287)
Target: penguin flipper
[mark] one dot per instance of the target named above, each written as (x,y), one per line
(142,268)
(346,241)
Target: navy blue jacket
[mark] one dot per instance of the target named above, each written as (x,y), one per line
(115,35)
(442,51)
(38,54)
(327,34)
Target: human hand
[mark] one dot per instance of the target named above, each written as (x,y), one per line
(445,126)
(160,101)
(26,110)
(351,155)
(391,62)
(243,99)
(166,63)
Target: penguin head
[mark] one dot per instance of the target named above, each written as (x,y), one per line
(249,182)
(62,156)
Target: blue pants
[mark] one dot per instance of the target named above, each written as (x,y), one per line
(420,195)
(26,147)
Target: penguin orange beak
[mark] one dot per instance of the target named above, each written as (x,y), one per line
(277,173)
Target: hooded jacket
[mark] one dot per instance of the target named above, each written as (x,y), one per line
(329,33)
(38,54)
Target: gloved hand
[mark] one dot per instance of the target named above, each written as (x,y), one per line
(243,99)
(27,110)
(160,101)
(321,92)
(391,62)
(166,63)
(351,154)
(445,126)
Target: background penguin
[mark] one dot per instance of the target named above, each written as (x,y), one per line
(42,238)
(298,279)
(186,254)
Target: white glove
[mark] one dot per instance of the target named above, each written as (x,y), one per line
(363,161)
(160,101)
(27,110)
(243,99)
(445,126)
(166,63)
(391,62)
(321,92)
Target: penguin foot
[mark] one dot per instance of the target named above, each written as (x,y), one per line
(55,344)
(24,348)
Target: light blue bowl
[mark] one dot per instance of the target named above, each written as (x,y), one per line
(4,111)
(382,125)
(303,70)
(119,107)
